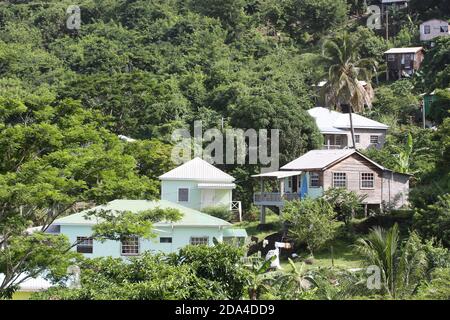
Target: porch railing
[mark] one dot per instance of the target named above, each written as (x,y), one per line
(332,146)
(236,207)
(274,197)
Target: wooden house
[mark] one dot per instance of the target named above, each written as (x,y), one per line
(403,62)
(319,170)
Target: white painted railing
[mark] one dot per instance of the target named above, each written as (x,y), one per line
(236,207)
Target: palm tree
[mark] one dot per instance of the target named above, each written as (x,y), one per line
(402,267)
(295,282)
(345,73)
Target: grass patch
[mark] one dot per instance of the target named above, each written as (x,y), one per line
(252,226)
(22,295)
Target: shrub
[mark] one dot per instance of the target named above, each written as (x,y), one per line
(221,212)
(434,220)
(311,221)
(344,202)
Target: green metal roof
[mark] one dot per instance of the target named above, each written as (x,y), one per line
(238,233)
(190,217)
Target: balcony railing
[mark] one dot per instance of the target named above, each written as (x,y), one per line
(273,197)
(332,146)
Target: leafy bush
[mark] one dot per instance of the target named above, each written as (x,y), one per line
(311,221)
(438,288)
(344,202)
(148,277)
(251,214)
(221,212)
(221,263)
(434,220)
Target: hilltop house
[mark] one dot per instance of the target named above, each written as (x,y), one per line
(385,4)
(433,28)
(335,127)
(193,228)
(197,184)
(403,62)
(318,170)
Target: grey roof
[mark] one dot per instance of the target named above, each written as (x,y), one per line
(404,50)
(190,217)
(197,170)
(321,159)
(329,121)
(278,174)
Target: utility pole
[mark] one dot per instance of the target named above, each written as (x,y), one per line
(387,25)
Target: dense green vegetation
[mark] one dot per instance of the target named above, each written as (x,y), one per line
(144,68)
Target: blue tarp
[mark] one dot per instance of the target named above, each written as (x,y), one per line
(304,187)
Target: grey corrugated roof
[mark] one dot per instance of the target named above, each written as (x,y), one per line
(317,159)
(330,121)
(320,159)
(197,170)
(404,50)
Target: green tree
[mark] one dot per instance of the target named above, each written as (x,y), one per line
(434,220)
(221,263)
(310,221)
(344,202)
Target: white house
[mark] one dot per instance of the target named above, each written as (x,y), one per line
(335,127)
(198,184)
(433,28)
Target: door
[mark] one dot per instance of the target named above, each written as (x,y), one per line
(208,197)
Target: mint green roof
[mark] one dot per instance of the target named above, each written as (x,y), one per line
(190,217)
(238,233)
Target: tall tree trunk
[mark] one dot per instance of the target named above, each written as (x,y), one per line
(350,111)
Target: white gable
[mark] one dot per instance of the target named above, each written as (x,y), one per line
(197,170)
(329,121)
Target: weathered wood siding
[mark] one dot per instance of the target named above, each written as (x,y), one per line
(395,189)
(390,188)
(353,166)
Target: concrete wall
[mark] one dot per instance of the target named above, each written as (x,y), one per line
(169,192)
(364,138)
(435,29)
(180,238)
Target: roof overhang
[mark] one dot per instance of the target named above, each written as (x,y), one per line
(278,174)
(236,233)
(216,186)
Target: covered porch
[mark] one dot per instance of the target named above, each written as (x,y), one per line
(285,186)
(335,140)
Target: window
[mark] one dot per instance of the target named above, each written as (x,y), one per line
(357,138)
(374,139)
(183,195)
(391,57)
(338,140)
(367,180)
(165,240)
(444,29)
(85,244)
(314,180)
(427,29)
(290,182)
(339,179)
(199,240)
(129,246)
